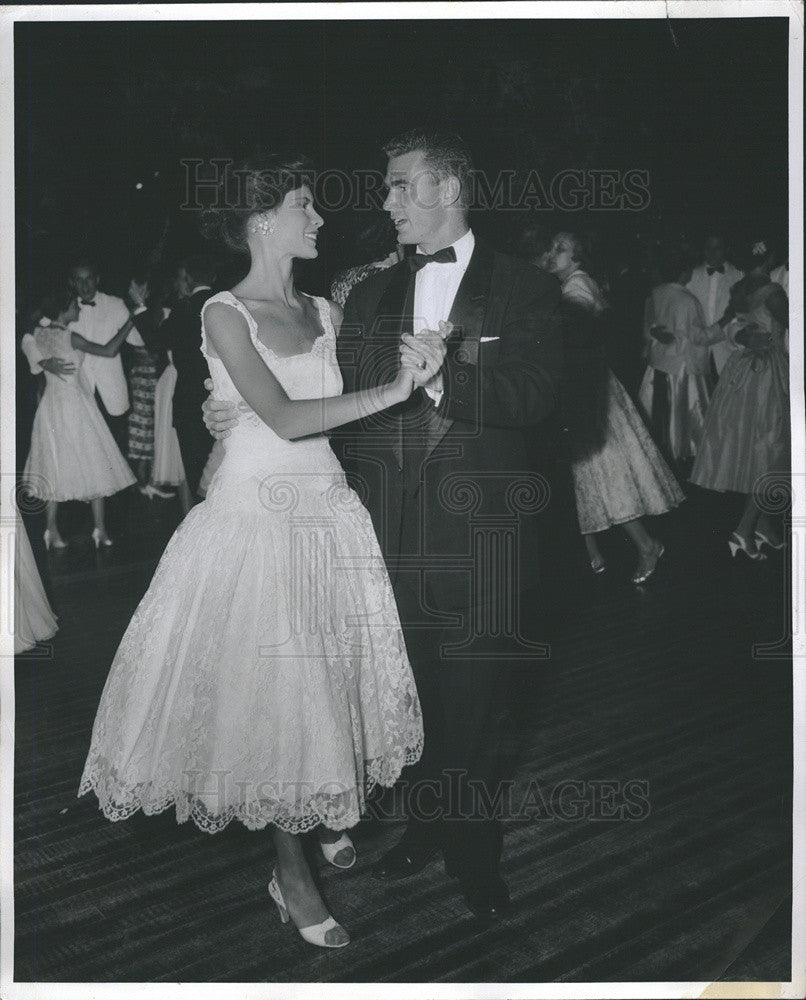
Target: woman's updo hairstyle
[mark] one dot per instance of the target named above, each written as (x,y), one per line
(256,184)
(756,253)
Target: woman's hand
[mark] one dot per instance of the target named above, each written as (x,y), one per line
(403,385)
(753,337)
(58,367)
(138,293)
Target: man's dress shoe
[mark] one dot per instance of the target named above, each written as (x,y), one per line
(487,899)
(404,860)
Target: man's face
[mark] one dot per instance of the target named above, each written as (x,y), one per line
(84,282)
(415,200)
(714,252)
(182,284)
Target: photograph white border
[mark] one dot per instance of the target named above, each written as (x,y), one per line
(681,9)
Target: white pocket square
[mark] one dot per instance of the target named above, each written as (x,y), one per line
(486,340)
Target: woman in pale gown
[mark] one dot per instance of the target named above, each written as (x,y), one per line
(169,469)
(676,389)
(747,435)
(73,455)
(264,677)
(624,478)
(34,620)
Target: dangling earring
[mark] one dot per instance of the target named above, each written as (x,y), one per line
(263,225)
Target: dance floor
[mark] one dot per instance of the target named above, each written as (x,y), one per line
(657,685)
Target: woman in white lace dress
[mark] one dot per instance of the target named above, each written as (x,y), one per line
(264,677)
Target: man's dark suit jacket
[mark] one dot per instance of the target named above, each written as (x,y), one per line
(182,336)
(464,458)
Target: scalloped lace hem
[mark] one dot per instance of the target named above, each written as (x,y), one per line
(337,812)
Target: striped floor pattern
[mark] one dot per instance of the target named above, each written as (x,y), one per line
(657,686)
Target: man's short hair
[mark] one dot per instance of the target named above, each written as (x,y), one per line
(201,269)
(445,153)
(83,260)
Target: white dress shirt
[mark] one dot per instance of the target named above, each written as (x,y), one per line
(435,288)
(99,324)
(713,291)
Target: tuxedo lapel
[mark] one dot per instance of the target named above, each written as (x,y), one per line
(467,312)
(467,317)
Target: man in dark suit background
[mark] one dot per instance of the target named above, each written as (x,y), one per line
(455,457)
(181,334)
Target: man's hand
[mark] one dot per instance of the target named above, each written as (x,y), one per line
(58,367)
(753,337)
(424,353)
(661,334)
(219,414)
(138,293)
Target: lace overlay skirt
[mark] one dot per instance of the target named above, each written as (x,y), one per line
(264,676)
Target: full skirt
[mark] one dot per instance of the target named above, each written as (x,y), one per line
(168,469)
(34,620)
(688,404)
(746,430)
(73,455)
(626,477)
(263,677)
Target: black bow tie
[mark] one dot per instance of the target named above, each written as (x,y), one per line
(715,270)
(86,302)
(444,256)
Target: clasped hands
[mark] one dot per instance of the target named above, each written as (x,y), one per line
(421,357)
(422,353)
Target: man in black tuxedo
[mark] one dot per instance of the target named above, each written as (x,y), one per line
(181,334)
(456,453)
(444,474)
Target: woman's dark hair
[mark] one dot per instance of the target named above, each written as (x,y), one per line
(256,184)
(53,304)
(672,261)
(754,253)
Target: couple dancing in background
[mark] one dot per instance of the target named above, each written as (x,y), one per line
(268,675)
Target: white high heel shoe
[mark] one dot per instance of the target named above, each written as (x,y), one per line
(151,491)
(736,543)
(54,540)
(331,850)
(101,538)
(762,539)
(315,934)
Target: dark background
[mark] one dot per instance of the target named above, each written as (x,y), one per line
(700,103)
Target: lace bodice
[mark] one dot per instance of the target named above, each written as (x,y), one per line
(253,447)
